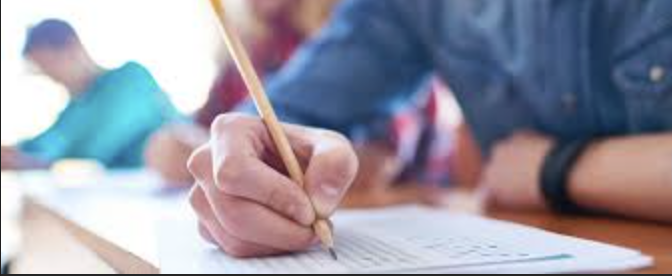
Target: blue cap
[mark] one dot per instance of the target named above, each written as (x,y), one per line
(49,34)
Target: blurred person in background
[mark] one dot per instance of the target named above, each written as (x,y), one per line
(276,29)
(110,115)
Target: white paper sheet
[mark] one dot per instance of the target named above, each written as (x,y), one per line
(407,240)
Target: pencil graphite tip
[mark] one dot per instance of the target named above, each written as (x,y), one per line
(333,253)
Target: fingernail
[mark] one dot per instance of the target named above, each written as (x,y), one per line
(331,191)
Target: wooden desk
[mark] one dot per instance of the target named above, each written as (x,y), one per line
(58,246)
(53,245)
(49,248)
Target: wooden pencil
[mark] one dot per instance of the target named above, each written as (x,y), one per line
(322,226)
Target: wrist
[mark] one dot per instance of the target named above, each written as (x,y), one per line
(586,170)
(558,171)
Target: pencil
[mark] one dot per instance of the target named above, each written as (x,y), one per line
(322,226)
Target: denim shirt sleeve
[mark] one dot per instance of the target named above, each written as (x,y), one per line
(351,76)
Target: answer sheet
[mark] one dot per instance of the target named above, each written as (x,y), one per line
(405,240)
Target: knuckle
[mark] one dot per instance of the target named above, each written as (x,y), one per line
(278,198)
(230,172)
(229,122)
(197,199)
(198,160)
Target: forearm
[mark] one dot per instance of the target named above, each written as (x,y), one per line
(627,176)
(15,160)
(351,76)
(4,158)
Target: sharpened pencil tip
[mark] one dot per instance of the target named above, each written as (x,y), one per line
(333,253)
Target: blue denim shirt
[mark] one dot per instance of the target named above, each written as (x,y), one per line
(564,68)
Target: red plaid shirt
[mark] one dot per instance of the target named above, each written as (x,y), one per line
(268,55)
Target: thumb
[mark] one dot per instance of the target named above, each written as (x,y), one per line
(486,197)
(331,172)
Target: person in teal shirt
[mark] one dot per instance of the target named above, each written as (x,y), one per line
(111,113)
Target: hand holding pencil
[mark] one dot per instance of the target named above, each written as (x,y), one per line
(246,202)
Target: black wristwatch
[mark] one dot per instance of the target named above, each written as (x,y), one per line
(556,171)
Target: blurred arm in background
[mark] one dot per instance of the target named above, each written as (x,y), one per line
(13,159)
(169,150)
(628,176)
